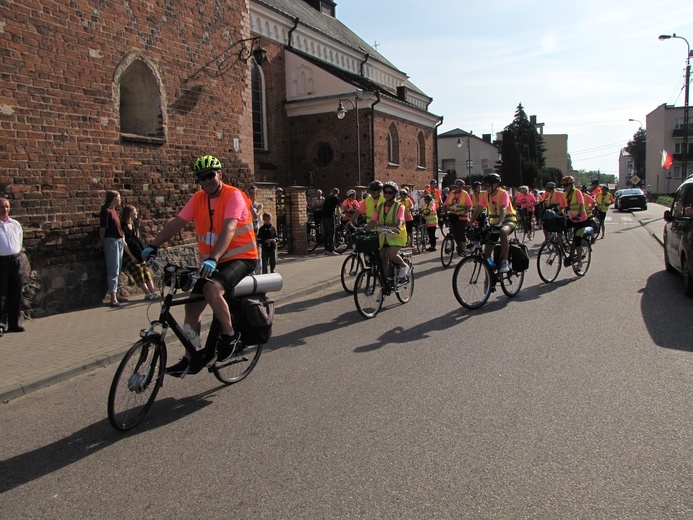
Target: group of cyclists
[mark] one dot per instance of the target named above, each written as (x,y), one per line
(387,205)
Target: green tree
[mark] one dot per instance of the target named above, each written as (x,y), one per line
(511,164)
(636,148)
(550,174)
(526,149)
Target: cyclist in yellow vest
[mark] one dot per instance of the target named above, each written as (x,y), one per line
(405,198)
(574,208)
(367,206)
(390,214)
(430,213)
(475,194)
(501,216)
(457,206)
(604,200)
(228,252)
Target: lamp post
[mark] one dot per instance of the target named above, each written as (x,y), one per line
(684,155)
(341,112)
(469,155)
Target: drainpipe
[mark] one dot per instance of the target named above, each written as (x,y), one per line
(361,67)
(377,93)
(435,151)
(290,44)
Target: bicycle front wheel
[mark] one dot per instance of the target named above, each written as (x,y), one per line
(447,251)
(136,383)
(581,256)
(511,282)
(471,282)
(368,294)
(549,261)
(351,267)
(405,290)
(342,239)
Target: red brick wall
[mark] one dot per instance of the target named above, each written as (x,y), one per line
(59,114)
(60,145)
(407,171)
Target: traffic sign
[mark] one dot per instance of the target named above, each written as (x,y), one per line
(635,179)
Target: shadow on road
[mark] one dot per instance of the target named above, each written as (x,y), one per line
(32,465)
(667,311)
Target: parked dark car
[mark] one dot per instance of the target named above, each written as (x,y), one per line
(630,198)
(678,235)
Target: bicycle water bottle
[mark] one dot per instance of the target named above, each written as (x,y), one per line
(192,335)
(491,263)
(589,230)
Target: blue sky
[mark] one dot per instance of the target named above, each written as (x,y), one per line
(582,67)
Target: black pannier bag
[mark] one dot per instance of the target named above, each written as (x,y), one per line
(252,317)
(519,256)
(553,222)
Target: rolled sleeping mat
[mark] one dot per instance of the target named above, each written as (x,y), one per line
(259,284)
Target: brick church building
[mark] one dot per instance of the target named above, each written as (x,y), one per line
(124,96)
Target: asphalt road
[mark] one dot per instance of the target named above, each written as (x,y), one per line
(572,400)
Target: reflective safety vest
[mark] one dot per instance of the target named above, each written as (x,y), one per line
(494,208)
(370,206)
(429,211)
(208,227)
(475,199)
(572,202)
(457,203)
(604,200)
(389,219)
(408,214)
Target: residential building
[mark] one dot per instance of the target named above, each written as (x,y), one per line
(467,155)
(665,129)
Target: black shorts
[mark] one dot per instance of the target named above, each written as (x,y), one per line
(228,274)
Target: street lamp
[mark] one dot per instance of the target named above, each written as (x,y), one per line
(341,112)
(684,156)
(469,155)
(636,121)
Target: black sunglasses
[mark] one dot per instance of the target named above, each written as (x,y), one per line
(388,192)
(207,176)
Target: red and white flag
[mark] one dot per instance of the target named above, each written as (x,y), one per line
(667,159)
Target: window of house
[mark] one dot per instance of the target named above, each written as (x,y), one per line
(421,150)
(141,114)
(258,96)
(324,155)
(393,145)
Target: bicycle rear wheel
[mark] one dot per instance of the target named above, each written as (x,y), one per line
(549,261)
(511,282)
(447,251)
(136,383)
(421,239)
(405,290)
(312,239)
(240,365)
(351,267)
(471,282)
(368,294)
(581,256)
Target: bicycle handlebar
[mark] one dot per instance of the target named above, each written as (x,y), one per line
(251,284)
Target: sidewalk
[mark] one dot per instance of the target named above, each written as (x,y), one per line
(61,346)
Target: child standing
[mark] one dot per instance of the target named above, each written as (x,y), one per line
(267,236)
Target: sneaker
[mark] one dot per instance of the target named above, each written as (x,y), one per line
(227,346)
(334,253)
(578,265)
(505,267)
(152,296)
(183,368)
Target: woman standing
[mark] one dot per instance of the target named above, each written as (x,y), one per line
(111,239)
(132,257)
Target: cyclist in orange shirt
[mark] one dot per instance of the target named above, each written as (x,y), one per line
(574,207)
(457,207)
(525,202)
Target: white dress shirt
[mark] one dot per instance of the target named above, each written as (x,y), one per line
(11,236)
